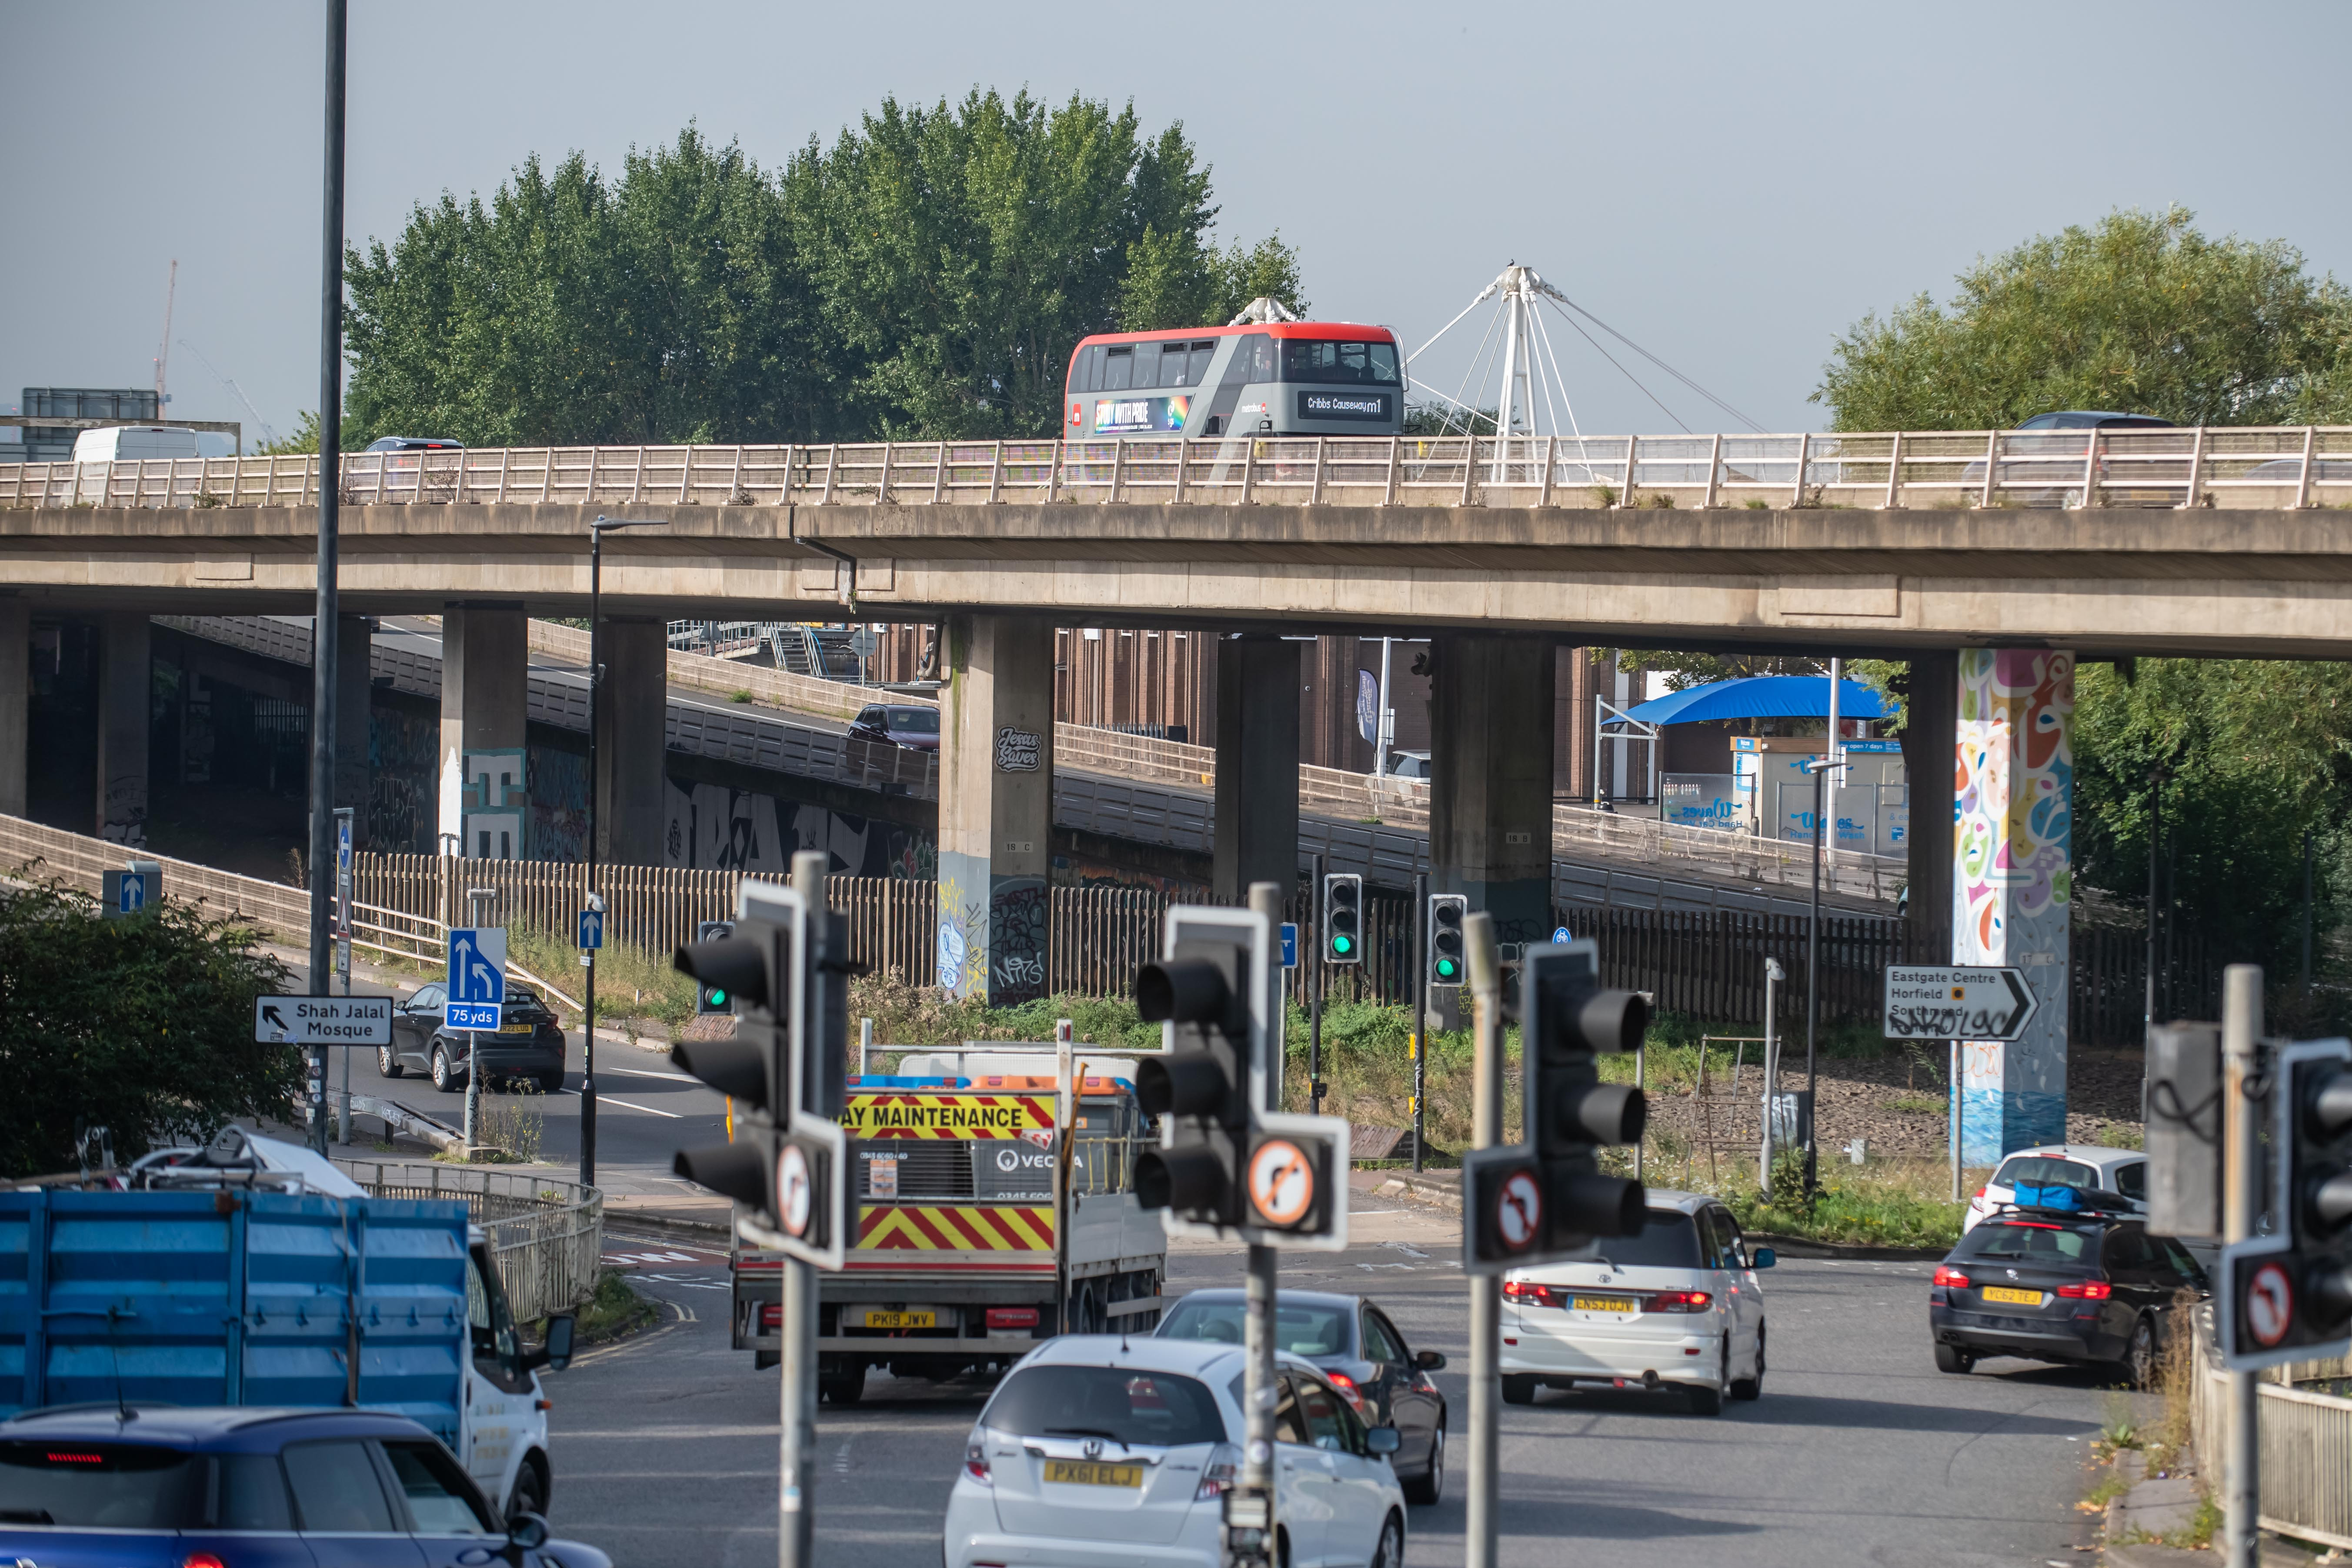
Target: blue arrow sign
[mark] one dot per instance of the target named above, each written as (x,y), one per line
(591,928)
(477,963)
(1290,945)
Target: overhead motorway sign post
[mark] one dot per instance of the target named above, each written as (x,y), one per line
(322,1020)
(477,977)
(1954,1001)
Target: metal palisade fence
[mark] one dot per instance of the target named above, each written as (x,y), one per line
(1707,964)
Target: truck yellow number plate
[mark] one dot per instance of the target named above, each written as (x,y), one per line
(877,1318)
(1082,1473)
(1606,1304)
(2022,1298)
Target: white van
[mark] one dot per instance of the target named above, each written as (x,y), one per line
(126,443)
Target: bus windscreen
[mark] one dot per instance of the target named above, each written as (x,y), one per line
(1330,363)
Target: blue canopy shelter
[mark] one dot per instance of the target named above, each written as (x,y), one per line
(1755,697)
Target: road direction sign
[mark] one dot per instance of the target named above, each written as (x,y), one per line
(1948,1001)
(591,928)
(1289,946)
(132,889)
(477,977)
(343,814)
(322,1020)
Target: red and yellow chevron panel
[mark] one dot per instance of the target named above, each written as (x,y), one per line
(955,1228)
(931,1114)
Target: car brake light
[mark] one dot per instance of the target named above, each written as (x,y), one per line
(2088,1291)
(1347,1386)
(1945,1275)
(1218,1476)
(772,1315)
(1679,1301)
(1982,1191)
(1528,1291)
(1012,1317)
(202,1560)
(975,1462)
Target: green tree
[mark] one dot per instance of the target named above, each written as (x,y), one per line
(2139,311)
(140,1026)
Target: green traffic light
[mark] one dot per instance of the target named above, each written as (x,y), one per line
(1343,944)
(1445,967)
(718,997)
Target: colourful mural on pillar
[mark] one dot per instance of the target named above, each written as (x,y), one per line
(2012,883)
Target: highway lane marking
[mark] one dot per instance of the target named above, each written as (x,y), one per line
(629,1104)
(670,1077)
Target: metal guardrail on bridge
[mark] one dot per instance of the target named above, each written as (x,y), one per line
(2249,466)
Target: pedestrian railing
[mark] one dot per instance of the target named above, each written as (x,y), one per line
(2244,466)
(2303,1437)
(546,1235)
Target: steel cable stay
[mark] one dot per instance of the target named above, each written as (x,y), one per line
(1564,299)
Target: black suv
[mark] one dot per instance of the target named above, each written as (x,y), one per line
(528,1043)
(2059,1284)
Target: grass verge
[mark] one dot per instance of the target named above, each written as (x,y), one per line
(614,1311)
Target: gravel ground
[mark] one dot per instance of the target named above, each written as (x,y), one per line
(1856,1100)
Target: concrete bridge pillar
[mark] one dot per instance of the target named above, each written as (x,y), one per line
(485,793)
(2012,883)
(1490,753)
(1255,837)
(996,806)
(1930,727)
(633,713)
(15,703)
(125,682)
(354,639)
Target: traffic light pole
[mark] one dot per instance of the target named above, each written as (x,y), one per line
(797,1502)
(1420,999)
(2242,1183)
(324,617)
(1314,998)
(1485,1289)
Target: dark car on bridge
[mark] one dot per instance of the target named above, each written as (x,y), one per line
(2036,473)
(1358,1347)
(529,1044)
(2061,1278)
(908,726)
(242,1487)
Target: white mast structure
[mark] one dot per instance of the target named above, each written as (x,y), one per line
(1527,361)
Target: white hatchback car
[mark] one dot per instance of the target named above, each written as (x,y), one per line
(1099,1451)
(2090,1167)
(1675,1306)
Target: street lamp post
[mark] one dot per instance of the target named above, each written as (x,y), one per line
(593,899)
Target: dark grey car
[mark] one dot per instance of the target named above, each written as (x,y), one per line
(1358,1347)
(529,1044)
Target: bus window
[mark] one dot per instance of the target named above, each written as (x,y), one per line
(1087,375)
(1202,355)
(1118,367)
(1343,363)
(1146,364)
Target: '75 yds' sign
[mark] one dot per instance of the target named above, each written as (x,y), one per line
(1943,1002)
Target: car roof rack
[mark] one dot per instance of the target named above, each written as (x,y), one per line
(2098,1206)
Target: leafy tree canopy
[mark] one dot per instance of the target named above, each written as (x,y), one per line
(143,1026)
(926,275)
(2138,312)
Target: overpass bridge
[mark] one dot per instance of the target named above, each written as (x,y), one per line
(1991,559)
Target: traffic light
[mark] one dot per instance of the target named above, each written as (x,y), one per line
(2288,1296)
(1449,962)
(1567,1019)
(1343,918)
(781,972)
(712,997)
(1207,993)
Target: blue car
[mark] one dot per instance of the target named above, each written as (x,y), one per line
(102,1486)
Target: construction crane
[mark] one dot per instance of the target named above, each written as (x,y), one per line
(163,349)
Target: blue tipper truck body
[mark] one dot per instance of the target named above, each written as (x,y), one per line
(235,1298)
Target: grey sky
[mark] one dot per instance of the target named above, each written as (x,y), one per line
(1730,186)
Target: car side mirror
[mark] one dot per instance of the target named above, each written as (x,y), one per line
(1430,1361)
(1763,1258)
(1383,1441)
(556,1354)
(525,1532)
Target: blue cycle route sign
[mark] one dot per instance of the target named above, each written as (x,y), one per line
(477,977)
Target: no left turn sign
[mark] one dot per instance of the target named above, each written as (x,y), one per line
(795,1194)
(2270,1305)
(1518,1211)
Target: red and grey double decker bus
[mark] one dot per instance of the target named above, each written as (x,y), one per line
(1276,378)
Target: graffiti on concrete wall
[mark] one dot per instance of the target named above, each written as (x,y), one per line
(559,804)
(2012,884)
(1017,921)
(715,827)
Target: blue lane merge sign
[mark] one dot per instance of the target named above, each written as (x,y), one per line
(481,1016)
(1290,945)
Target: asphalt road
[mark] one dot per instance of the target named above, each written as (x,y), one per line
(1859,1451)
